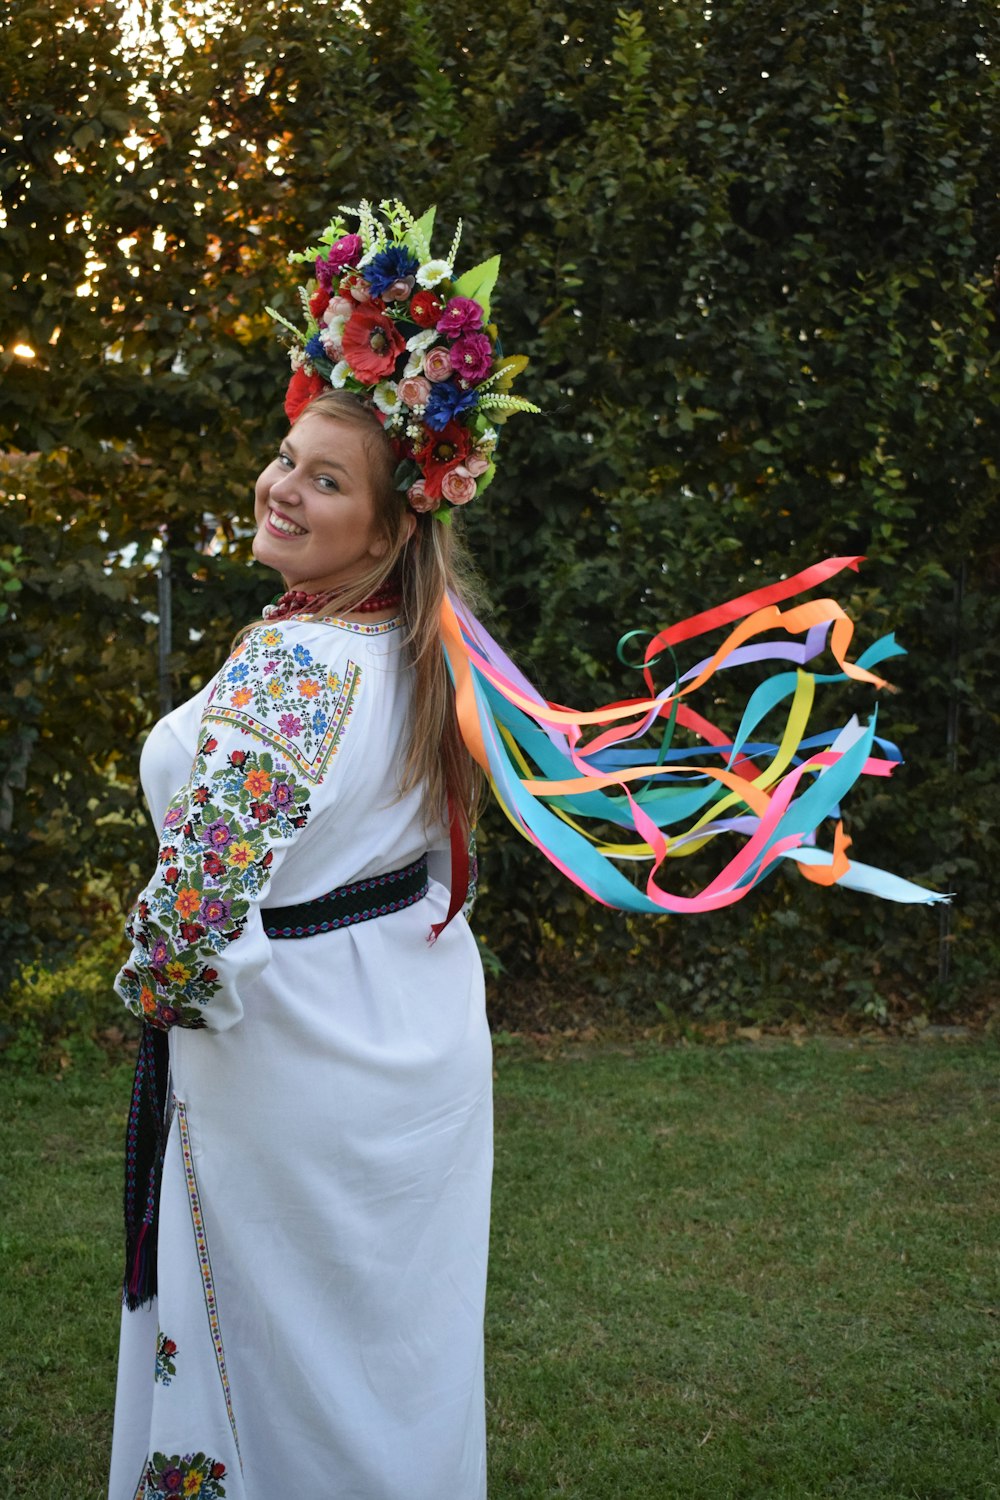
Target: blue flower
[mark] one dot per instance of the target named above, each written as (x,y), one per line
(389,265)
(319,722)
(239,672)
(315,349)
(302,656)
(446,402)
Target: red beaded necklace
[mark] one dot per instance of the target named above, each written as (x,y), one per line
(388,595)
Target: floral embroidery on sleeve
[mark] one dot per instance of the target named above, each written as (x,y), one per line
(193,1475)
(282,695)
(216,851)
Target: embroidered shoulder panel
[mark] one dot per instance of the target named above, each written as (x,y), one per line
(281,695)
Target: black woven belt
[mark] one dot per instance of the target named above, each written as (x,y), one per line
(360,902)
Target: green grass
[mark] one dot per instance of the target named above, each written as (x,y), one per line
(744,1271)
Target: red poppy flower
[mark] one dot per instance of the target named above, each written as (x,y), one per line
(371,344)
(302,389)
(319,302)
(441,452)
(237,758)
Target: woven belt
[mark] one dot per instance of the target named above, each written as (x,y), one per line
(360,902)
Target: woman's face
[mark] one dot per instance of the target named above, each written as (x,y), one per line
(314,507)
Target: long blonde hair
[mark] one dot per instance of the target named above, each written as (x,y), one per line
(434,559)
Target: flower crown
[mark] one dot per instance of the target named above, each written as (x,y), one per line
(386,320)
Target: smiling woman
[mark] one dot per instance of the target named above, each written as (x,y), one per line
(316,507)
(309,1155)
(313,1246)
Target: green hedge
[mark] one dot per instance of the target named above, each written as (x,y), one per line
(749,255)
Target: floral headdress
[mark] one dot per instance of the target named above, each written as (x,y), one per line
(386,320)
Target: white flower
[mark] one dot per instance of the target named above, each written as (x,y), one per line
(432,272)
(297,356)
(418,345)
(339,374)
(488,439)
(386,396)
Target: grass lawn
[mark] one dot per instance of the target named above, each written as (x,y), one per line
(742,1271)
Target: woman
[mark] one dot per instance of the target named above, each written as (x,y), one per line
(324,1206)
(307,1197)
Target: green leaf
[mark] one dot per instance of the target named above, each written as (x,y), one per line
(478,283)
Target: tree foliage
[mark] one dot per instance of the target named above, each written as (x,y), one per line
(749,254)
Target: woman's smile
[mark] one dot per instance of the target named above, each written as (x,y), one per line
(282,525)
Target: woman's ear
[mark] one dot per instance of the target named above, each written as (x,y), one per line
(409,525)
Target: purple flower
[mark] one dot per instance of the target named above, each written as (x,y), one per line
(215,911)
(388,266)
(172,1480)
(160,954)
(462,315)
(269,667)
(290,725)
(447,401)
(344,253)
(471,357)
(217,835)
(282,794)
(174,816)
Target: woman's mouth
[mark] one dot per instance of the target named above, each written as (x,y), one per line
(283,527)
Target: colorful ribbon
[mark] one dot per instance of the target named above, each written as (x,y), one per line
(670,802)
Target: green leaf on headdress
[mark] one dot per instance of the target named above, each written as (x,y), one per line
(479,283)
(505,372)
(405,475)
(502,407)
(299,335)
(485,479)
(443,514)
(420,235)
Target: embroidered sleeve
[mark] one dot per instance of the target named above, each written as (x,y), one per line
(267,738)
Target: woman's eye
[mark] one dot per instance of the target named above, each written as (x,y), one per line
(325,482)
(285,461)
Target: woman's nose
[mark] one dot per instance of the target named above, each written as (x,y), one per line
(285,488)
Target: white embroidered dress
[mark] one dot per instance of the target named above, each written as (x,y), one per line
(325,1198)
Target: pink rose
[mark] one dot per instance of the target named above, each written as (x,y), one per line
(419,499)
(477,464)
(458,485)
(437,363)
(339,307)
(414,390)
(331,344)
(471,357)
(360,292)
(462,315)
(400,290)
